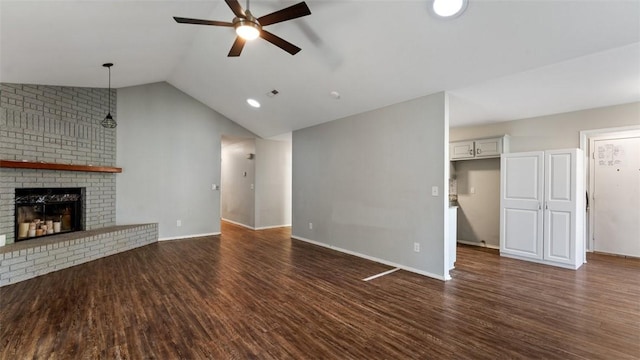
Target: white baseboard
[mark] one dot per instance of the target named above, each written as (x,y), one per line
(188,236)
(272,227)
(239,224)
(473,243)
(543,262)
(255,228)
(378,260)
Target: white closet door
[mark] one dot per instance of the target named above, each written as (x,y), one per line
(521,197)
(560,206)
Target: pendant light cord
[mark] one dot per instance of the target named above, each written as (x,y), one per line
(109,89)
(108,121)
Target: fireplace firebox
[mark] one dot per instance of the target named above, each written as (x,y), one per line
(47,211)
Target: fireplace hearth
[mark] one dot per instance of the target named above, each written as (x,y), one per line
(43,212)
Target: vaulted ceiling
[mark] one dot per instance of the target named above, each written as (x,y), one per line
(500,60)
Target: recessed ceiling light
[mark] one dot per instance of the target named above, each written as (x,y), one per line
(449,8)
(253,103)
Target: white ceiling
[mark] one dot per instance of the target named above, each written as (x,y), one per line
(500,60)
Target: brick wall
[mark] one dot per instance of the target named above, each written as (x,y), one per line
(59,125)
(18,263)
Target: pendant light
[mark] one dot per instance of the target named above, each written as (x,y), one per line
(108,121)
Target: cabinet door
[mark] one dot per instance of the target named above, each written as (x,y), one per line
(521,195)
(461,150)
(488,147)
(561,206)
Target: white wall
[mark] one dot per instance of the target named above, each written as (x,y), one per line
(169,149)
(365,183)
(273,183)
(559,131)
(238,176)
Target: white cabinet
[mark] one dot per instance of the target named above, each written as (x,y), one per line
(542,207)
(479,148)
(489,147)
(462,150)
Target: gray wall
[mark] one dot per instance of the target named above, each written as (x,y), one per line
(478,217)
(479,212)
(169,149)
(57,124)
(238,198)
(365,183)
(273,183)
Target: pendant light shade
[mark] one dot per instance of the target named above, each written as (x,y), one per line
(108,121)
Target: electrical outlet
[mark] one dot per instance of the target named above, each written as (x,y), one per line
(416,247)
(179,223)
(310,226)
(434,191)
(472,190)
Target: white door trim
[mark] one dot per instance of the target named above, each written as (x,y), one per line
(586,140)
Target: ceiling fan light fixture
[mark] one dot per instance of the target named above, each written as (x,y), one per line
(449,8)
(247,28)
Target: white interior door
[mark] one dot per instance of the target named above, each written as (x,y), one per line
(521,193)
(616,196)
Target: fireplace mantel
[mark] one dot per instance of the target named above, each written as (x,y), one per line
(55,166)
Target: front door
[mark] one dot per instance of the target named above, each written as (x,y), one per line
(616,197)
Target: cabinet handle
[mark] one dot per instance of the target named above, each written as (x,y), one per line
(539,206)
(546,206)
(478,151)
(470,151)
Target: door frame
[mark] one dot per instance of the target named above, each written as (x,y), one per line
(586,140)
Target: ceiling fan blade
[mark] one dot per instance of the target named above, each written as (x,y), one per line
(237,46)
(292,12)
(201,22)
(236,8)
(279,42)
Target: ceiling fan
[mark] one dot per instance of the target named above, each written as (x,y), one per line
(249,27)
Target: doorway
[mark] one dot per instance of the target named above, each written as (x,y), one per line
(614,191)
(256,182)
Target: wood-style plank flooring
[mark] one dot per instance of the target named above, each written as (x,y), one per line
(260,295)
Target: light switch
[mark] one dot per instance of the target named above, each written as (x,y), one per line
(434,191)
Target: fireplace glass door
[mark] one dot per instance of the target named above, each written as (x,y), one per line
(42,212)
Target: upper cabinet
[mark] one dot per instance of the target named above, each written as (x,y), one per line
(479,148)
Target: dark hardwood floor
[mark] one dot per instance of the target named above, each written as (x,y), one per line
(261,295)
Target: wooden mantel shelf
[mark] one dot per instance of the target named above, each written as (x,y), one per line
(54,166)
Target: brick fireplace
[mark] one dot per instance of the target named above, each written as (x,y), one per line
(53,124)
(57,164)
